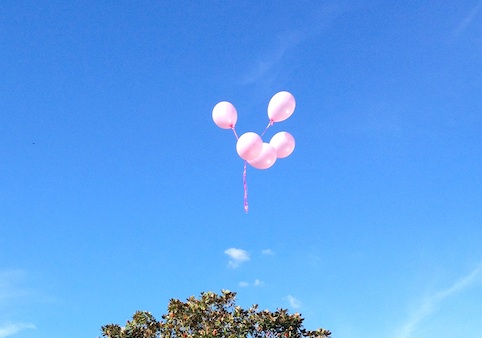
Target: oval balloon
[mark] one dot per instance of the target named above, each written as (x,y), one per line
(281,106)
(225,115)
(249,146)
(284,143)
(265,159)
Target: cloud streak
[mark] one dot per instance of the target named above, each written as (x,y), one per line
(267,65)
(8,292)
(430,304)
(256,283)
(10,329)
(467,20)
(8,279)
(237,256)
(294,302)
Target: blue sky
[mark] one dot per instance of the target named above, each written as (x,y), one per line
(118,192)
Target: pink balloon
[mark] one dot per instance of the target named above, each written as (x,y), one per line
(284,143)
(249,146)
(265,159)
(225,115)
(281,106)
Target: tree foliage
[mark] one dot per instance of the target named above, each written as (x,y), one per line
(210,316)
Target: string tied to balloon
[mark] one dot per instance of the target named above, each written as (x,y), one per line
(234,131)
(270,124)
(250,146)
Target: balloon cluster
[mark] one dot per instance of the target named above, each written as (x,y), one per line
(250,146)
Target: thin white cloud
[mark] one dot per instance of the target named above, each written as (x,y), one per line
(9,291)
(257,282)
(465,23)
(269,65)
(8,287)
(430,304)
(267,252)
(237,256)
(10,329)
(294,303)
(272,59)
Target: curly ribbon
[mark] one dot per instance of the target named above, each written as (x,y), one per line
(245,186)
(245,182)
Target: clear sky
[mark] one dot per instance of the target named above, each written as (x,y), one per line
(118,192)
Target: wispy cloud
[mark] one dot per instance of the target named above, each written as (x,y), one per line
(237,256)
(265,64)
(9,290)
(269,65)
(8,287)
(10,329)
(256,283)
(294,303)
(267,252)
(469,18)
(429,305)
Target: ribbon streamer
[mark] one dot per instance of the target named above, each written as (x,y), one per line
(245,186)
(245,182)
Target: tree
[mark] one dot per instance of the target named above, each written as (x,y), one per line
(212,316)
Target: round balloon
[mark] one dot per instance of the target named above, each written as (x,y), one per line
(225,115)
(284,143)
(281,106)
(265,159)
(249,146)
